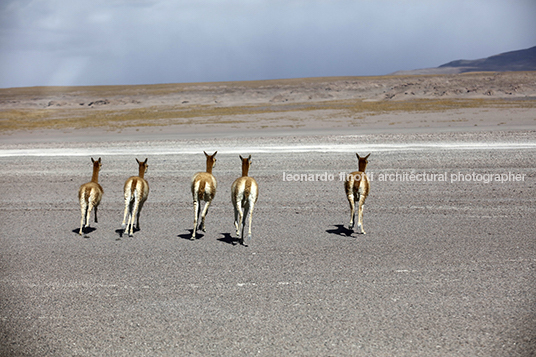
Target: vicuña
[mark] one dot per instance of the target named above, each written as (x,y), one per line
(357,189)
(244,194)
(90,195)
(136,191)
(203,189)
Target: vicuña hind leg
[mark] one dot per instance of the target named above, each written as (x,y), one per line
(83,219)
(360,217)
(236,221)
(352,210)
(196,214)
(89,208)
(138,216)
(250,219)
(203,215)
(126,214)
(133,215)
(240,220)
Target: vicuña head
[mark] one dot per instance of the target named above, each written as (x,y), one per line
(357,189)
(136,191)
(142,167)
(90,195)
(362,162)
(211,161)
(204,187)
(246,162)
(244,194)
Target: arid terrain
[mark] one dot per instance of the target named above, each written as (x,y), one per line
(314,103)
(447,267)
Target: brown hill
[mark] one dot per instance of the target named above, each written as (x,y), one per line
(521,60)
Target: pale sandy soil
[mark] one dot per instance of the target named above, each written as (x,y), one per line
(507,85)
(478,101)
(320,122)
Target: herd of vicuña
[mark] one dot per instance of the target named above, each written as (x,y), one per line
(244,194)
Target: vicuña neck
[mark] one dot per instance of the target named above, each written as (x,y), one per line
(245,169)
(209,167)
(95,177)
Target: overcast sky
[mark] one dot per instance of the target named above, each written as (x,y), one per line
(76,42)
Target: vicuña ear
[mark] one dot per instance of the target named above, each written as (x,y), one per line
(366,157)
(145,161)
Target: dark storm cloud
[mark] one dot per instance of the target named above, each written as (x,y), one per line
(64,42)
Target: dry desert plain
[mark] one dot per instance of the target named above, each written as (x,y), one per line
(447,267)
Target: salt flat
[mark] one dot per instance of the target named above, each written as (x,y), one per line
(445,269)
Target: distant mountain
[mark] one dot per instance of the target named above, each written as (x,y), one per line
(522,60)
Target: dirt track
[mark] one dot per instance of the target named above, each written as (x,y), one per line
(445,269)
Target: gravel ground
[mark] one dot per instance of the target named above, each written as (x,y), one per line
(445,269)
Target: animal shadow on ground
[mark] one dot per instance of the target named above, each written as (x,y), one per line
(341,230)
(227,238)
(121,231)
(85,231)
(188,236)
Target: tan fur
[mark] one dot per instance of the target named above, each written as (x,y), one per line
(244,194)
(357,188)
(136,191)
(204,187)
(90,195)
